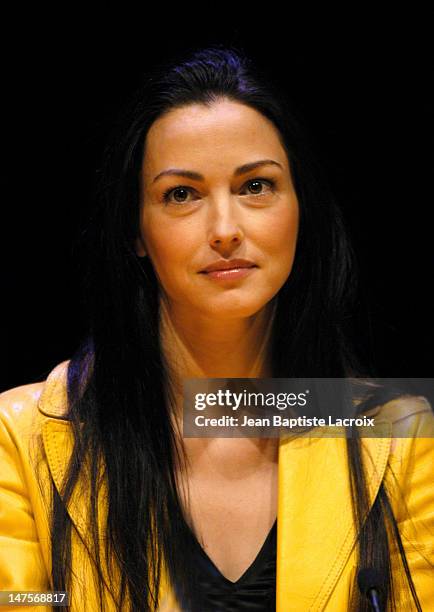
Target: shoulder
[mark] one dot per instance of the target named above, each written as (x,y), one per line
(24,408)
(409,415)
(411,420)
(26,482)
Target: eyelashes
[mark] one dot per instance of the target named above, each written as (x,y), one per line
(168,201)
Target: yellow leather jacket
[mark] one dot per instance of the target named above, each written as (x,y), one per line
(316,557)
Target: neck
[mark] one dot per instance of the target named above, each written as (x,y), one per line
(201,347)
(209,347)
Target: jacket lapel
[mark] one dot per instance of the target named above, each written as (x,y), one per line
(57,437)
(58,442)
(315,529)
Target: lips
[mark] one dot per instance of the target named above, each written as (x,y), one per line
(231,264)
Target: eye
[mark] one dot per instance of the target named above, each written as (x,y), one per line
(179,189)
(256,182)
(180,192)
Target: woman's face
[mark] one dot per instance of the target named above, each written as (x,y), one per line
(220,211)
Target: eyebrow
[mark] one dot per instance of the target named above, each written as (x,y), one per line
(196,176)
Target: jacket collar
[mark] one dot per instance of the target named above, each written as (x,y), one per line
(315,531)
(53,399)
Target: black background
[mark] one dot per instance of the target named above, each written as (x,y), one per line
(360,81)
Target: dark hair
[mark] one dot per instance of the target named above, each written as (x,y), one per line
(118,380)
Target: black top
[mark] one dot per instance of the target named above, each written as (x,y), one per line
(254,591)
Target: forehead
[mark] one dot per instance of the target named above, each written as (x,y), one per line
(224,134)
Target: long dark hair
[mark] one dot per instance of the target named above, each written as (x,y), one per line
(119,382)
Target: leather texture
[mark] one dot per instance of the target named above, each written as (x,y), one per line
(316,554)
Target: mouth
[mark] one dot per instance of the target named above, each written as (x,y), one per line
(230,273)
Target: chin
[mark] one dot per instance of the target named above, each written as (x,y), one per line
(234,310)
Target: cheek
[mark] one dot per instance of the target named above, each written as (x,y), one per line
(165,255)
(281,237)
(166,236)
(169,250)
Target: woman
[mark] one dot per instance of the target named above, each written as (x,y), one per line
(101,496)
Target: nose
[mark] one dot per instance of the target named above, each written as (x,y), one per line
(225,233)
